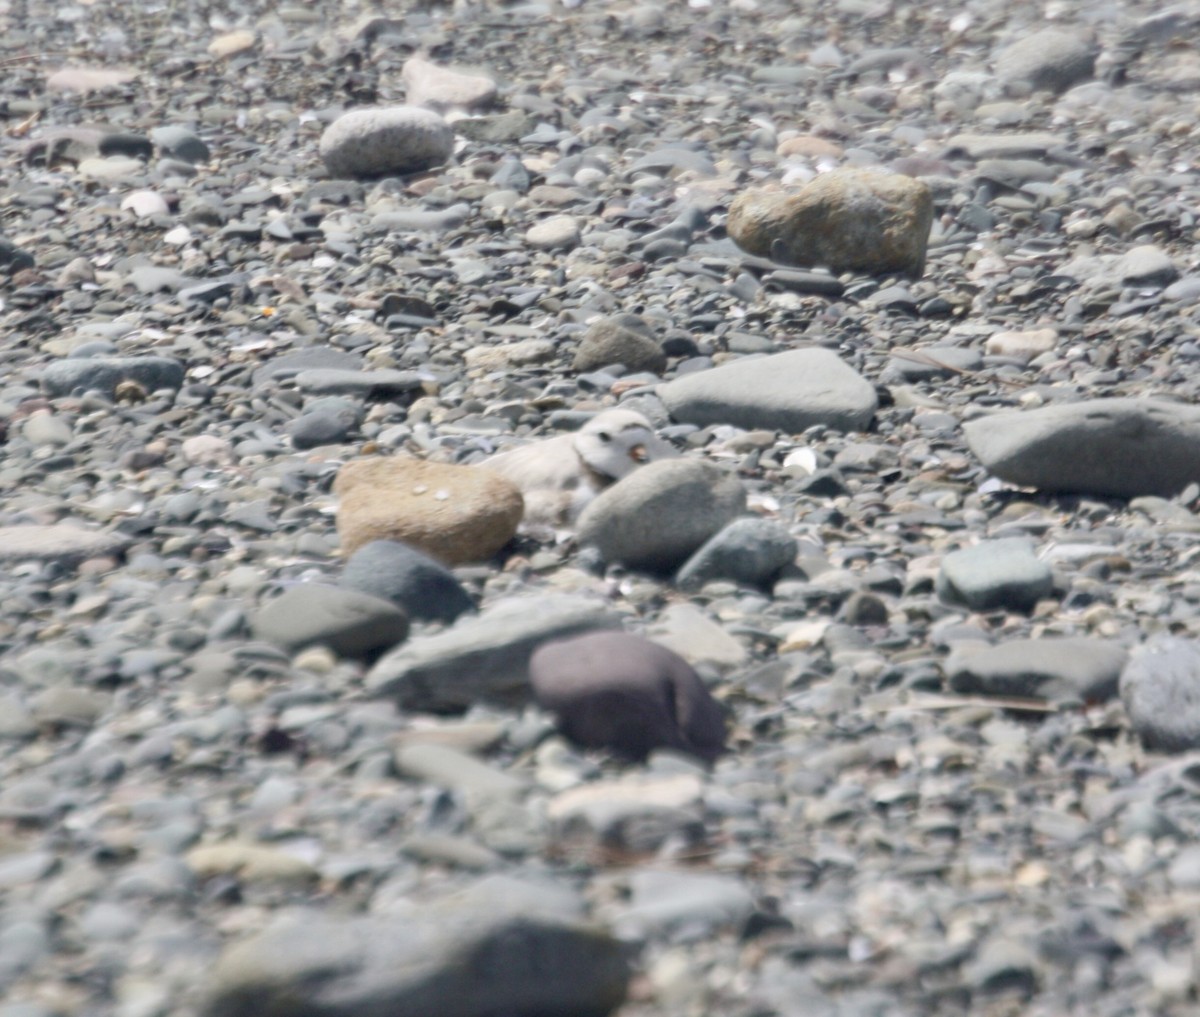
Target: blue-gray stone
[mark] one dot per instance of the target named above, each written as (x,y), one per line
(749,550)
(424,588)
(995,575)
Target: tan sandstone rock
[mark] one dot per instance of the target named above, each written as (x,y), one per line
(454,513)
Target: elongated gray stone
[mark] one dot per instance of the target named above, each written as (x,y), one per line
(105,373)
(786,392)
(1114,447)
(350,623)
(499,947)
(1071,669)
(483,658)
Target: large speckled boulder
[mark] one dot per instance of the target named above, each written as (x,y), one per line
(456,514)
(375,142)
(850,219)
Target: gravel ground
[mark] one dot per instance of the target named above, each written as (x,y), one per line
(922,545)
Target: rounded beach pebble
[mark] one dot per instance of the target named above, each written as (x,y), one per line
(374,142)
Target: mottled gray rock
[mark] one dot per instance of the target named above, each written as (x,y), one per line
(1115,447)
(787,392)
(750,550)
(655,518)
(104,374)
(180,143)
(1051,60)
(995,574)
(619,691)
(397,139)
(350,623)
(847,219)
(495,948)
(424,588)
(626,340)
(1069,670)
(483,659)
(1160,687)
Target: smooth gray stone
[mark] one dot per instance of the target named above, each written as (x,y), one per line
(1160,688)
(1146,265)
(1185,291)
(1004,146)
(310,358)
(787,392)
(664,160)
(1113,447)
(750,550)
(1051,60)
(180,143)
(62,377)
(367,384)
(498,947)
(995,574)
(61,542)
(1071,669)
(422,219)
(156,278)
(350,623)
(927,362)
(424,588)
(330,425)
(484,658)
(665,901)
(375,142)
(655,518)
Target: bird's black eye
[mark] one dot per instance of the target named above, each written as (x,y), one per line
(604,436)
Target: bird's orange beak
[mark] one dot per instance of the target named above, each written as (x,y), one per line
(639,454)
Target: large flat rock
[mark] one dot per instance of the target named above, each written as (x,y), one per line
(1111,447)
(787,392)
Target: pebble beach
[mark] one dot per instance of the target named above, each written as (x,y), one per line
(872,691)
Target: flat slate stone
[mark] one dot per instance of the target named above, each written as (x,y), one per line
(1058,670)
(498,947)
(350,623)
(787,392)
(483,658)
(995,574)
(1110,447)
